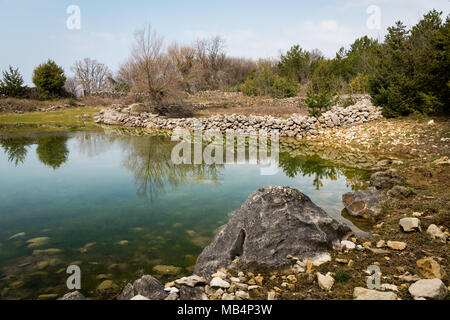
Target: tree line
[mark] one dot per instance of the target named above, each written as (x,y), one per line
(406,73)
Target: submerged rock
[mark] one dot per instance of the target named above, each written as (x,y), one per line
(272,223)
(37,242)
(364,203)
(167,270)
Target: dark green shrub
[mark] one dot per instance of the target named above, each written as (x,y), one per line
(319,103)
(412,68)
(49,79)
(12,83)
(341,276)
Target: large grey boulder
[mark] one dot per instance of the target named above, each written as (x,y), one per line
(147,286)
(272,223)
(364,203)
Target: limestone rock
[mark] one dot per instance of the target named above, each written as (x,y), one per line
(360,293)
(430,269)
(410,224)
(139,297)
(219,283)
(191,281)
(396,245)
(190,293)
(429,288)
(364,203)
(326,282)
(436,233)
(146,286)
(73,296)
(272,223)
(385,180)
(400,192)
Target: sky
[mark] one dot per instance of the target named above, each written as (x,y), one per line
(35,30)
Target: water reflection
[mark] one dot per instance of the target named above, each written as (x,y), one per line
(148,156)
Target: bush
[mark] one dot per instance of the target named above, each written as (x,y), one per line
(265,82)
(412,68)
(319,103)
(49,79)
(12,83)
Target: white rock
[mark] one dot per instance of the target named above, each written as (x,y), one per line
(410,224)
(325,282)
(139,297)
(360,293)
(429,288)
(219,274)
(320,259)
(191,281)
(387,286)
(219,283)
(348,245)
(228,296)
(242,294)
(434,231)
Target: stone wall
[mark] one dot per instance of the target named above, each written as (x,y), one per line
(294,126)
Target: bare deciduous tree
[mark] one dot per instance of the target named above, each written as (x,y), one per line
(152,70)
(91,75)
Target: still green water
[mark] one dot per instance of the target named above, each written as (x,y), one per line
(112,202)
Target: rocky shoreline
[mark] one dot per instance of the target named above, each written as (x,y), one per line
(279,241)
(295,126)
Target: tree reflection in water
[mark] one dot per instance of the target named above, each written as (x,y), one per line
(16,148)
(148,156)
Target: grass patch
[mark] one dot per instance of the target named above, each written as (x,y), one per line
(341,276)
(72,117)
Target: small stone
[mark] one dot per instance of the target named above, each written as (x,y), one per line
(381,244)
(271,295)
(191,281)
(396,245)
(228,296)
(73,296)
(430,269)
(436,233)
(410,224)
(349,245)
(360,293)
(325,282)
(343,261)
(242,295)
(139,297)
(387,286)
(219,283)
(417,214)
(429,288)
(219,274)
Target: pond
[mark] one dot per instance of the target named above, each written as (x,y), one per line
(113,202)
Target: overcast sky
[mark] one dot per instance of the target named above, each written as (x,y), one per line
(33,31)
